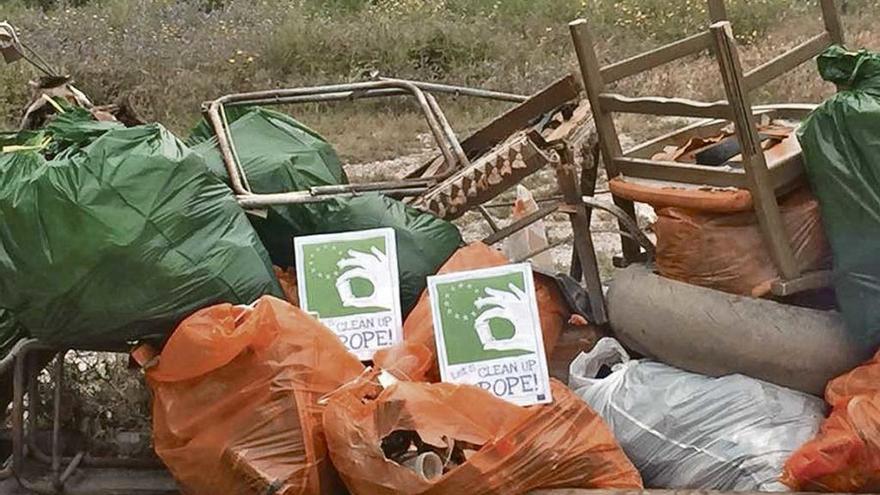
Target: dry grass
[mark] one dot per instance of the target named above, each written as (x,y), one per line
(168,56)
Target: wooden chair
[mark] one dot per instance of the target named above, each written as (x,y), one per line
(764,182)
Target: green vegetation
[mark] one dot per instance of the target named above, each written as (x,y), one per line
(167,56)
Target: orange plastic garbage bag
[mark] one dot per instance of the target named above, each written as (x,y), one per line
(416,357)
(287,279)
(516,449)
(845,455)
(235,400)
(726,251)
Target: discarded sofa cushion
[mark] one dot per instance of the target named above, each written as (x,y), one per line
(279,154)
(513,449)
(236,400)
(684,430)
(726,251)
(112,234)
(416,357)
(841,146)
(845,456)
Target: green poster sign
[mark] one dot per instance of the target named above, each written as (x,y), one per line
(488,332)
(349,281)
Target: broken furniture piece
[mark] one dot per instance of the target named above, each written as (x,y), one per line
(764,179)
(542,130)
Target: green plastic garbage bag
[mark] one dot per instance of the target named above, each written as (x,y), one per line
(841,145)
(279,154)
(111,234)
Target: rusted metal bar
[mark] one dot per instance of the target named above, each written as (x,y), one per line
(588,179)
(462,90)
(71,467)
(370,186)
(520,224)
(18,387)
(322,98)
(9,360)
(567,178)
(488,217)
(450,135)
(233,152)
(519,117)
(626,221)
(304,197)
(56,418)
(379,93)
(548,247)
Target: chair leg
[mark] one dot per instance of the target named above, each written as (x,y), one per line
(757,174)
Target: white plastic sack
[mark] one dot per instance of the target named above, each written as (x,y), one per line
(684,430)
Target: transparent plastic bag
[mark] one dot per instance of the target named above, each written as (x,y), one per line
(531,238)
(684,430)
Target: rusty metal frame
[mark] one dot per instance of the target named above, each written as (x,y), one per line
(441,130)
(454,185)
(24,443)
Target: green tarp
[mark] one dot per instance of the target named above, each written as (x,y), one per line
(280,154)
(841,145)
(110,234)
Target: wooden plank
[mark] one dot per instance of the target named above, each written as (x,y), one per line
(520,224)
(831,18)
(609,143)
(657,57)
(566,176)
(717,11)
(756,172)
(519,117)
(804,52)
(680,172)
(708,128)
(678,137)
(652,105)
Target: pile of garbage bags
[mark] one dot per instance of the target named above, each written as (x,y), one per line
(264,399)
(113,234)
